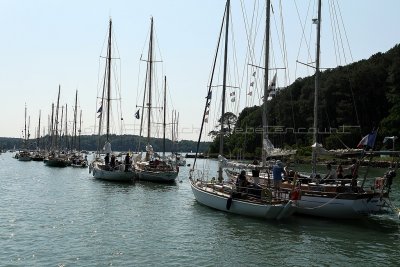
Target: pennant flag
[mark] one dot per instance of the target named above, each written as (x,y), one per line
(206,119)
(272,85)
(252,84)
(137,116)
(232,94)
(232,99)
(99,115)
(254,73)
(208,104)
(100,109)
(207,112)
(368,140)
(250,93)
(209,95)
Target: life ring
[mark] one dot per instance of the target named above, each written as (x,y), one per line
(266,195)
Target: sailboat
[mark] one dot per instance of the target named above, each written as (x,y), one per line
(226,196)
(341,199)
(153,167)
(55,158)
(76,157)
(105,169)
(38,155)
(24,154)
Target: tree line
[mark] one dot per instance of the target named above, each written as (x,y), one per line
(353,100)
(91,143)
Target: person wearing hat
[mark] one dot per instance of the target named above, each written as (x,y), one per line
(277,171)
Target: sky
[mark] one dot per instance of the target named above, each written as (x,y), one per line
(47,43)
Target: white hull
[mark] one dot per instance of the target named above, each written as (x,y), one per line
(115,175)
(344,206)
(157,176)
(219,200)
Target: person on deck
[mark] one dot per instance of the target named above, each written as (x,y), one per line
(241,182)
(339,171)
(107,159)
(112,162)
(331,175)
(277,171)
(255,172)
(127,162)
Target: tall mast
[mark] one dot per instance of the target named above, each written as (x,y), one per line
(165,113)
(29,125)
(52,128)
(75,117)
(56,118)
(25,128)
(266,62)
(109,81)
(221,136)
(80,129)
(316,89)
(150,67)
(61,123)
(38,131)
(66,126)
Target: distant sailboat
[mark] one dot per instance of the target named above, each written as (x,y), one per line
(55,158)
(24,154)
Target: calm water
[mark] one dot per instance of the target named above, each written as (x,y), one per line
(63,217)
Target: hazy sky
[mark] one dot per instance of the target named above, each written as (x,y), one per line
(45,43)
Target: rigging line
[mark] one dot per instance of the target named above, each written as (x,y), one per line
(348,72)
(340,36)
(285,57)
(250,49)
(303,36)
(345,32)
(245,76)
(333,29)
(235,66)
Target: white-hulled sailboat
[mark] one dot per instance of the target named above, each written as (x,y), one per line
(223,195)
(104,168)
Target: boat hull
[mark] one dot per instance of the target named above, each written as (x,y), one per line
(219,200)
(157,176)
(342,206)
(24,158)
(113,175)
(56,163)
